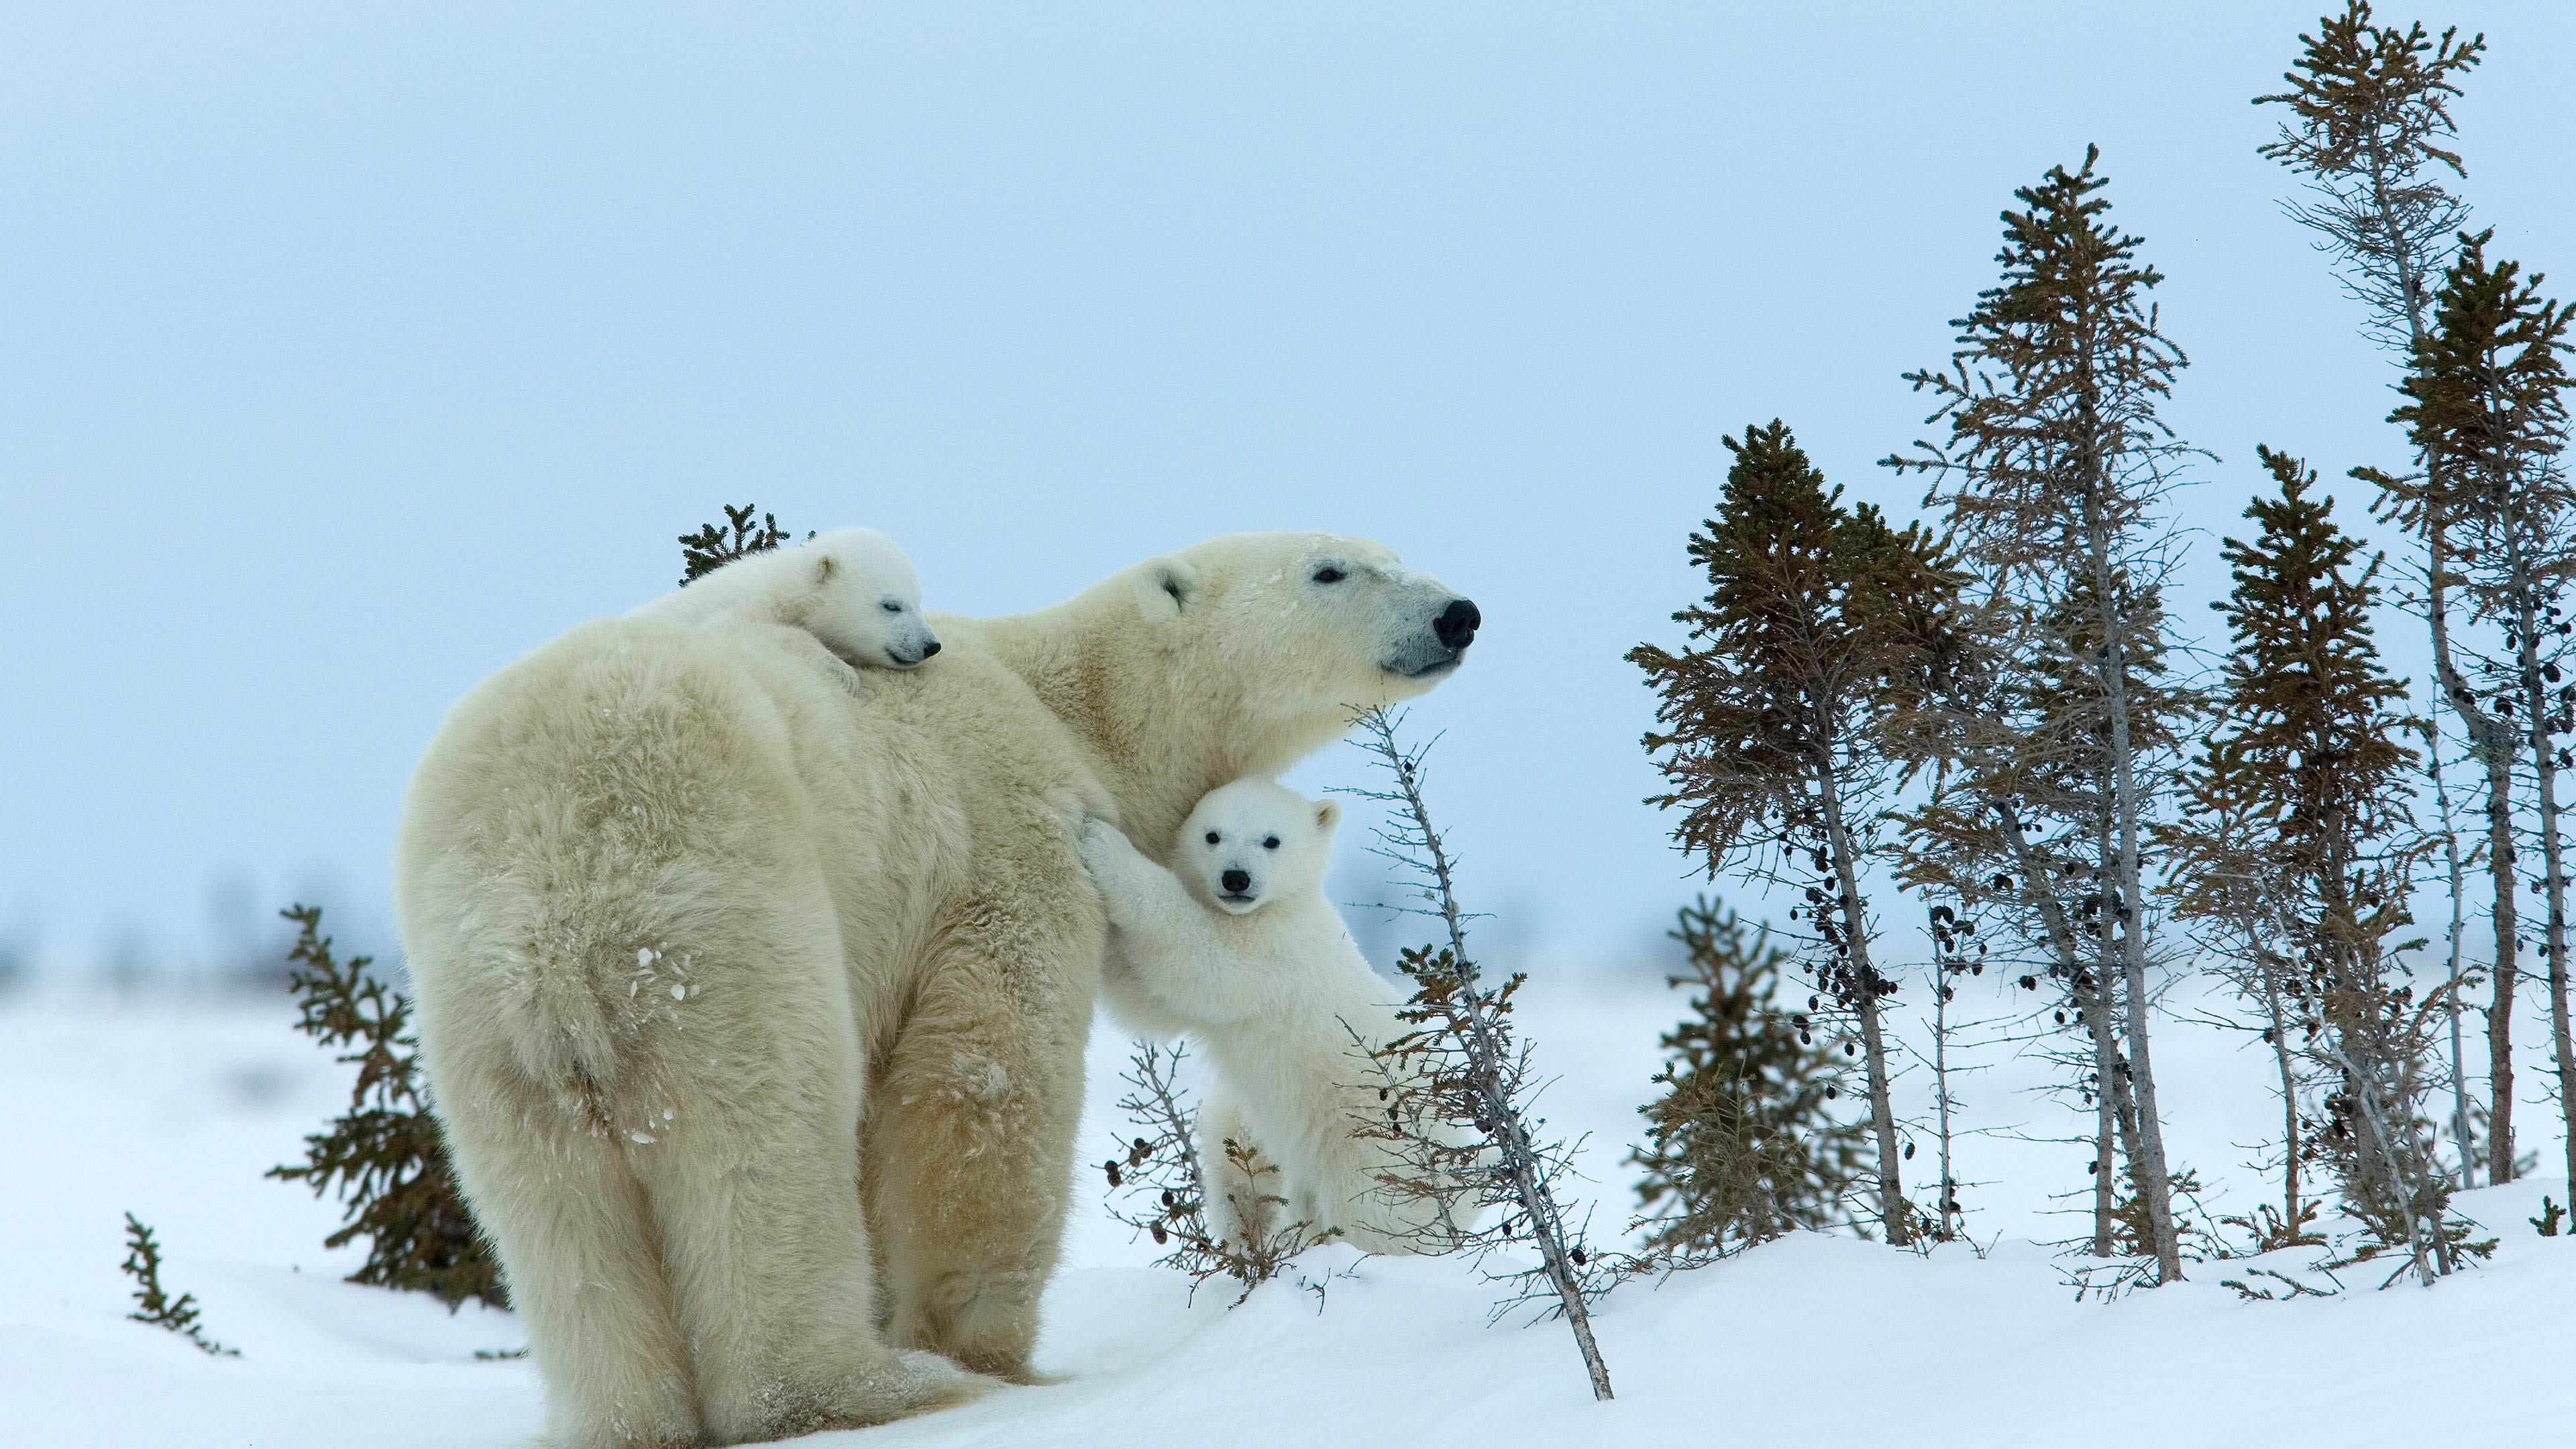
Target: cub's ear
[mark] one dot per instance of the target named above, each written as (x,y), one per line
(1328,813)
(1165,587)
(824,568)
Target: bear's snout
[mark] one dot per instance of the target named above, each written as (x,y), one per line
(1457,624)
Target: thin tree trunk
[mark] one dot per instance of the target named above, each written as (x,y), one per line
(2093,1014)
(2544,763)
(2502,864)
(2289,1092)
(2127,909)
(1941,1073)
(1882,1112)
(2459,1062)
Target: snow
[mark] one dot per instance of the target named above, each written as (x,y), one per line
(172,1108)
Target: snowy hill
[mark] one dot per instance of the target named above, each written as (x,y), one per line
(172,1109)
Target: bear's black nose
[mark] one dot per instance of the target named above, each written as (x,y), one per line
(1456,625)
(930,648)
(1236,882)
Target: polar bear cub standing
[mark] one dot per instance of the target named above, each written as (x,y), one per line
(1237,946)
(851,588)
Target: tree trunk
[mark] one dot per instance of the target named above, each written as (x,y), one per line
(2289,1092)
(2544,766)
(1941,1077)
(2127,909)
(2459,1062)
(1882,1112)
(2093,1015)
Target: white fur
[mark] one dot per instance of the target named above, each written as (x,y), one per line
(851,588)
(1237,946)
(754,998)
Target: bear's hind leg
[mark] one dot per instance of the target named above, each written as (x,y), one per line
(969,1150)
(552,1191)
(749,1161)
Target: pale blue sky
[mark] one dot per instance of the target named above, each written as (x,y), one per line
(352,351)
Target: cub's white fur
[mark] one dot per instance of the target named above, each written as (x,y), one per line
(1237,946)
(852,588)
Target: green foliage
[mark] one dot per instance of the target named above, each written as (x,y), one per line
(153,1304)
(2369,125)
(2051,395)
(2552,1218)
(1741,1147)
(712,546)
(383,1156)
(1819,619)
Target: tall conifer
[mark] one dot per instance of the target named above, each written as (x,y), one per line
(2486,394)
(2051,477)
(2369,130)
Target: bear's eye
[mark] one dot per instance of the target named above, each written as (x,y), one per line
(1211,837)
(1271,844)
(1328,574)
(892,607)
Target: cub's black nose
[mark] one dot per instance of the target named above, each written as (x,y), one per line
(1236,882)
(1456,625)
(930,648)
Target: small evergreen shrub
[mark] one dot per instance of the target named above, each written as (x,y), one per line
(712,547)
(383,1156)
(153,1304)
(1741,1146)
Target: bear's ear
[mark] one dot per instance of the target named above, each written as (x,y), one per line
(824,568)
(1164,587)
(1328,813)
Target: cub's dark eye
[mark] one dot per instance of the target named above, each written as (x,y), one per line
(1211,837)
(892,607)
(1271,844)
(1328,575)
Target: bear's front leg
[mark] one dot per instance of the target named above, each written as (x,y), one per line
(968,1147)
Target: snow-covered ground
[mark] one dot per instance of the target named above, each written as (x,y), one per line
(171,1108)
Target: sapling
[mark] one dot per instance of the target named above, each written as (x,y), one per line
(1156,1188)
(1461,1064)
(153,1303)
(1742,1144)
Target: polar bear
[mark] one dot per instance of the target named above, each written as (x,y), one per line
(753,1000)
(1236,945)
(853,589)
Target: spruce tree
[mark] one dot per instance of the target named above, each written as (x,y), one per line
(2051,477)
(2486,394)
(2369,130)
(1819,621)
(2300,845)
(1742,1146)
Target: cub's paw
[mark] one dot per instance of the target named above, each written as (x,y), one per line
(1108,854)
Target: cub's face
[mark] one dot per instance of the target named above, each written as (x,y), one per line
(867,601)
(1297,630)
(1252,842)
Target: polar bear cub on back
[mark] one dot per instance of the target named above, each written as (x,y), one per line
(1237,946)
(851,588)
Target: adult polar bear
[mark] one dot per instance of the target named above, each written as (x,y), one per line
(688,919)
